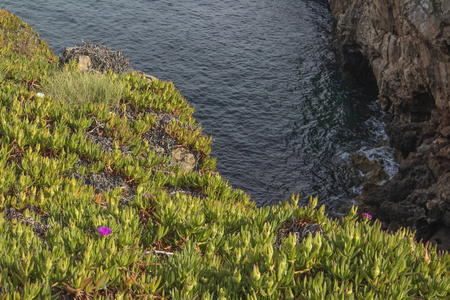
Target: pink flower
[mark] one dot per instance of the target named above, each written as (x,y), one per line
(367,216)
(104,231)
(146,195)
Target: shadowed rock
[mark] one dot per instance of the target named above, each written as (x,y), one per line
(406,46)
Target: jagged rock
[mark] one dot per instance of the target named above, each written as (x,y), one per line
(404,136)
(418,196)
(101,58)
(446,132)
(442,237)
(372,170)
(405,46)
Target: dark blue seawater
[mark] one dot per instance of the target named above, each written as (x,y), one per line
(259,72)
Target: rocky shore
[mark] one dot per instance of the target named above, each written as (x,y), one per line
(405,47)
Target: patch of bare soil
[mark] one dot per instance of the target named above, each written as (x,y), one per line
(298,228)
(39,228)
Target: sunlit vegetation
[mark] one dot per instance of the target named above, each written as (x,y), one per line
(91,209)
(77,88)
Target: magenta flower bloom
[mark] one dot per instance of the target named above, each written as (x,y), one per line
(104,231)
(146,195)
(367,216)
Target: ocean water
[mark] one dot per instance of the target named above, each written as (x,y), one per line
(260,74)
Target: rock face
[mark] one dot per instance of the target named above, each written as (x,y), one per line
(405,46)
(419,195)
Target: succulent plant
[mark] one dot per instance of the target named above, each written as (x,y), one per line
(89,208)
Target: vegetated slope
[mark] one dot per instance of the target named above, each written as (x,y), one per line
(176,232)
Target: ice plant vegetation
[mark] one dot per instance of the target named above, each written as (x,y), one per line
(67,168)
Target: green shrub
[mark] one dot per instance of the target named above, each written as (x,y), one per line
(76,88)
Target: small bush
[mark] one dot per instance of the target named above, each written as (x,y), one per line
(77,88)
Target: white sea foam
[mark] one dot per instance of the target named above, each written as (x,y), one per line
(384,156)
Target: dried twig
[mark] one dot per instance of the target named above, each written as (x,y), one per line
(159,252)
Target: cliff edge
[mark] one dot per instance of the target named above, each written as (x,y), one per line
(405,46)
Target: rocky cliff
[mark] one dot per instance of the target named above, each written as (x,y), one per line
(405,46)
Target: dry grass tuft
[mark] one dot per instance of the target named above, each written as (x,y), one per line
(76,88)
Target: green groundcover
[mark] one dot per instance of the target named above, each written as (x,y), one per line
(108,191)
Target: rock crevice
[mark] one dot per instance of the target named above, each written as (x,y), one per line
(405,46)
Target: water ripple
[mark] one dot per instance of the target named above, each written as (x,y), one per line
(260,74)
